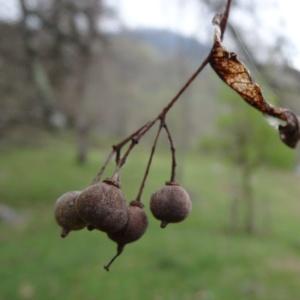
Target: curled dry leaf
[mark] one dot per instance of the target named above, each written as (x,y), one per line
(234,73)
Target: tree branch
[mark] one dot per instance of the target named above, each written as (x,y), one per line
(139,133)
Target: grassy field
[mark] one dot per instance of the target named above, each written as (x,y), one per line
(197,259)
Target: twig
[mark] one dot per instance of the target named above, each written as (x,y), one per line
(134,141)
(122,161)
(141,189)
(225,17)
(127,139)
(139,133)
(102,170)
(173,152)
(119,252)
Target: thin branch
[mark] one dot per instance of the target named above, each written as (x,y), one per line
(225,17)
(141,189)
(134,141)
(132,135)
(173,152)
(120,249)
(102,170)
(222,19)
(121,162)
(146,127)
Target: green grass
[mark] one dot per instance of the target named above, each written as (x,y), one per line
(196,259)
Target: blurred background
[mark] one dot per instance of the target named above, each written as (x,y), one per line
(78,76)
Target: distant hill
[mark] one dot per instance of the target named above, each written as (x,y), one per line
(169,43)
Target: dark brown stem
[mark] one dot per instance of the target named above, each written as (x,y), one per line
(118,154)
(173,152)
(135,136)
(138,134)
(141,189)
(64,232)
(225,17)
(102,170)
(184,88)
(129,138)
(123,160)
(119,252)
(117,151)
(134,141)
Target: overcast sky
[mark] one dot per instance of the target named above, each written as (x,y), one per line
(182,16)
(187,17)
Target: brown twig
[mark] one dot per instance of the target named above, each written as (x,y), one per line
(225,17)
(134,141)
(102,170)
(141,189)
(116,150)
(119,252)
(173,152)
(131,136)
(121,162)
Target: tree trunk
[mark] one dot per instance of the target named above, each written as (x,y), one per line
(249,200)
(82,124)
(234,215)
(37,74)
(82,131)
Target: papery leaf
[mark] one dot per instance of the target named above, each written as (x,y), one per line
(235,74)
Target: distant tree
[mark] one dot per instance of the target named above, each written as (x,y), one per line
(248,143)
(60,39)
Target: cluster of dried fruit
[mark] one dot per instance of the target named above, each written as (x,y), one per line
(102,206)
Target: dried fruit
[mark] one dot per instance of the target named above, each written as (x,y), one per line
(171,204)
(135,228)
(103,206)
(66,213)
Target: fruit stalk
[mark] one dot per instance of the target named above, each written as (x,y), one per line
(141,189)
(173,152)
(119,252)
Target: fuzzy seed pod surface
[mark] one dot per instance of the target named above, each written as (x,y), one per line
(135,227)
(171,204)
(66,213)
(103,207)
